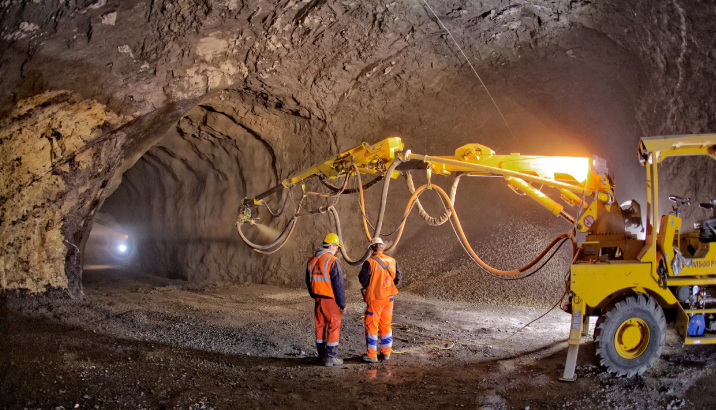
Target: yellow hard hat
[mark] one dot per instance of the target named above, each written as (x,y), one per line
(332,238)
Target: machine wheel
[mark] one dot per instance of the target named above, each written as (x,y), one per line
(629,336)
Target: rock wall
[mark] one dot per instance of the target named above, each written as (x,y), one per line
(306,79)
(58,152)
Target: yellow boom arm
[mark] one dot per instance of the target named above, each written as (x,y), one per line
(573,176)
(370,159)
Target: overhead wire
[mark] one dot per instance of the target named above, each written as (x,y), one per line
(441,24)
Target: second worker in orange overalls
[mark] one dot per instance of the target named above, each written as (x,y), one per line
(379,276)
(324,279)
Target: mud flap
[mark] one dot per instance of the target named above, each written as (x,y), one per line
(575,338)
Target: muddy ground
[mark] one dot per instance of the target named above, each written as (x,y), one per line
(139,341)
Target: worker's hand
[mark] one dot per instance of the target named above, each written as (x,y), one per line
(344,310)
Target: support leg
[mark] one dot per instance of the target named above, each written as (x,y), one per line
(575,338)
(585,326)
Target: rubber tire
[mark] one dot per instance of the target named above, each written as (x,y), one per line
(640,306)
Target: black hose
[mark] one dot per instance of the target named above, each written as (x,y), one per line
(540,266)
(334,188)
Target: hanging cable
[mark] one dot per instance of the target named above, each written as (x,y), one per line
(440,23)
(384,196)
(361,200)
(336,193)
(448,203)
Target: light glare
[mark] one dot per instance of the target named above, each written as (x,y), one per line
(577,167)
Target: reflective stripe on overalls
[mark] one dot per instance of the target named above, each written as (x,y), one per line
(381,284)
(378,319)
(320,268)
(327,313)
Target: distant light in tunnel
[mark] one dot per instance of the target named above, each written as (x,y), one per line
(122,248)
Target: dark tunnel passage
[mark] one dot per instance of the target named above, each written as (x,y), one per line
(131,132)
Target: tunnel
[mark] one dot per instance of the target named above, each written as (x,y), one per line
(132,131)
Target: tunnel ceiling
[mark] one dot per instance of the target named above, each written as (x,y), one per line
(193,105)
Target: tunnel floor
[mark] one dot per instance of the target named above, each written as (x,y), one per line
(139,341)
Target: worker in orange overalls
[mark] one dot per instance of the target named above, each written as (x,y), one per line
(324,279)
(379,276)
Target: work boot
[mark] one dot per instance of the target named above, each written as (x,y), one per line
(386,357)
(322,356)
(333,361)
(369,359)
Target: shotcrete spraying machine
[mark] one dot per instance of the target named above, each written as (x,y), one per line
(632,285)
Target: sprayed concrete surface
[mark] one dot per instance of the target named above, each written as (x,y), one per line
(139,341)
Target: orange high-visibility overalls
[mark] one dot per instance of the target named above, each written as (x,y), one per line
(327,313)
(379,313)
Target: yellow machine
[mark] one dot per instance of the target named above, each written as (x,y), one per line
(631,283)
(628,283)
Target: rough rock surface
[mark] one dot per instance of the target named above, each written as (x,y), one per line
(141,341)
(59,153)
(310,78)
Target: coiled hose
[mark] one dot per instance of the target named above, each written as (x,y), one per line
(432,221)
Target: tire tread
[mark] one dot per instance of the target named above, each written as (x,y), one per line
(602,343)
